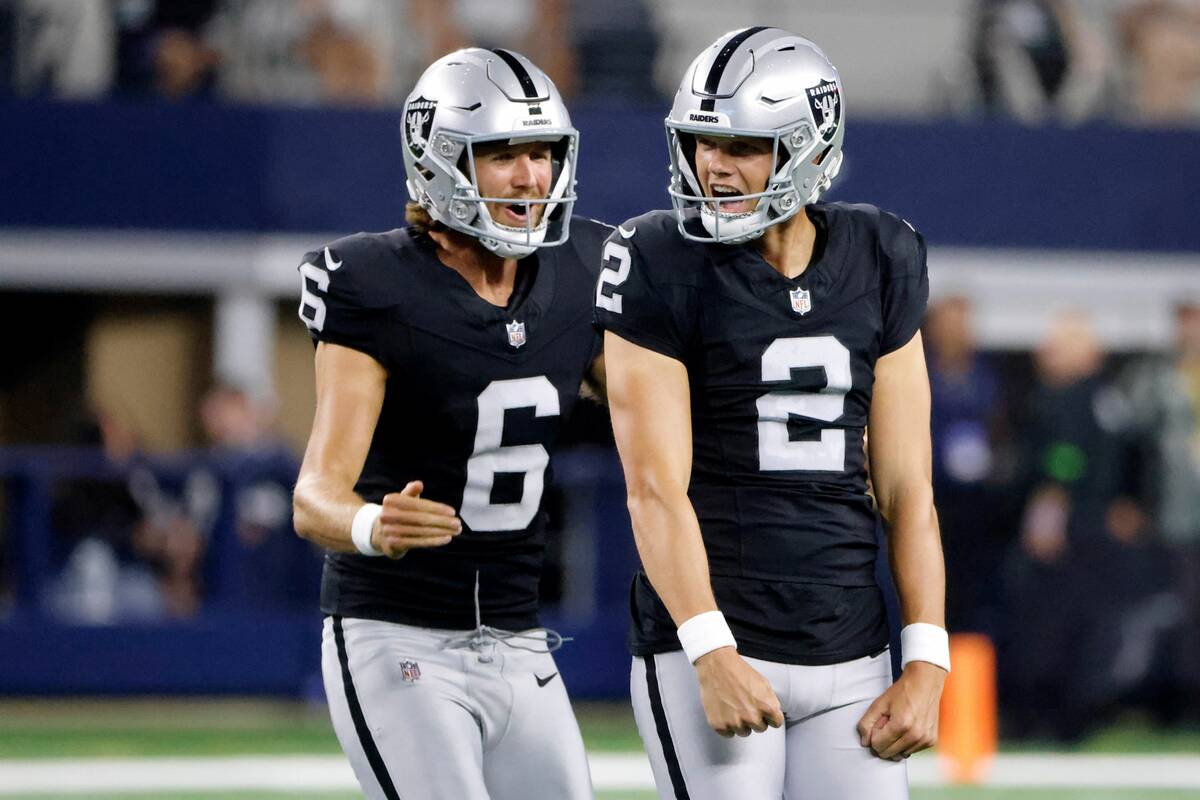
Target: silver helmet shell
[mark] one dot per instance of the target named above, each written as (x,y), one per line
(473,96)
(760,82)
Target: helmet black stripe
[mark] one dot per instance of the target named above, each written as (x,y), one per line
(722,60)
(519,70)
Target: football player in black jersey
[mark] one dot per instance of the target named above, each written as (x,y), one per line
(448,355)
(752,338)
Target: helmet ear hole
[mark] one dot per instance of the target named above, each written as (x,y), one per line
(820,159)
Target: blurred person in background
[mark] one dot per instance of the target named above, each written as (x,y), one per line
(315,52)
(1071,468)
(966,413)
(62,48)
(1160,43)
(267,566)
(132,552)
(1163,397)
(448,355)
(163,48)
(1037,60)
(541,28)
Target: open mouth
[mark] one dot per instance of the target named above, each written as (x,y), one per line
(730,207)
(517,213)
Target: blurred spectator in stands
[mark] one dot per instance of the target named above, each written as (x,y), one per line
(1038,59)
(1071,465)
(162,48)
(1163,398)
(241,497)
(966,415)
(539,29)
(61,48)
(132,553)
(616,47)
(1160,42)
(317,52)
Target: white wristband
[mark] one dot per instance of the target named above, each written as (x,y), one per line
(921,641)
(360,529)
(704,633)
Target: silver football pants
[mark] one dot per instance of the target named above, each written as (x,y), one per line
(424,715)
(815,756)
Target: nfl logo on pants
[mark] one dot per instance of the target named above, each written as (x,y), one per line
(410,671)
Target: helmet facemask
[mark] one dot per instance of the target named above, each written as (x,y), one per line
(467,210)
(789,188)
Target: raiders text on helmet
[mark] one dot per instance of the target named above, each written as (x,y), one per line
(760,82)
(472,96)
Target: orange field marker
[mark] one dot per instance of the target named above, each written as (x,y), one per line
(967,730)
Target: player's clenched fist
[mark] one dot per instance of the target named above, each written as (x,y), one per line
(407,521)
(736,698)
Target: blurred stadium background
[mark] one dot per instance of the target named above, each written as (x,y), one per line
(164,165)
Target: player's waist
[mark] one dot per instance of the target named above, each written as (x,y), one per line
(432,589)
(758,532)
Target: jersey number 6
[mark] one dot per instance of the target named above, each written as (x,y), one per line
(490,457)
(776,451)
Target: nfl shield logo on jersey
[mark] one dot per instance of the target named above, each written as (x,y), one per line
(801,301)
(516,333)
(410,671)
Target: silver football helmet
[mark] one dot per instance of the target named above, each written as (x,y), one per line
(761,82)
(472,96)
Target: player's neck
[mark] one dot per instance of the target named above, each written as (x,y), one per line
(788,247)
(491,276)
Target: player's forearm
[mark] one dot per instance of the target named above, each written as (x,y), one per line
(324,514)
(672,550)
(915,550)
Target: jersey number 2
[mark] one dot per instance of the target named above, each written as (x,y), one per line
(491,457)
(776,451)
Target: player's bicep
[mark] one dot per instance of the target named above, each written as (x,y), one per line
(350,390)
(899,442)
(650,402)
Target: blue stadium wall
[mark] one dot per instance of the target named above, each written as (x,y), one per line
(205,168)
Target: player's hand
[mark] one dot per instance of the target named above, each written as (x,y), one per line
(736,698)
(904,719)
(408,521)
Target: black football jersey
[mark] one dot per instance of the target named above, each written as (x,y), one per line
(781,372)
(476,396)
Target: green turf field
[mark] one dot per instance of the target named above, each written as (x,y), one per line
(92,728)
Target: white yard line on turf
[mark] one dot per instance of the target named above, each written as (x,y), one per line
(610,771)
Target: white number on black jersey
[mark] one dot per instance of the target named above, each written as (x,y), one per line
(775,450)
(478,510)
(308,299)
(614,276)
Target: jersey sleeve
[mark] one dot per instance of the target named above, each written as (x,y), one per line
(904,282)
(631,303)
(336,302)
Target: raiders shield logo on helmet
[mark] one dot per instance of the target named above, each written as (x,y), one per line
(418,120)
(826,105)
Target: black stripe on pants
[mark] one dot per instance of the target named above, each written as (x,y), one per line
(664,733)
(360,722)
